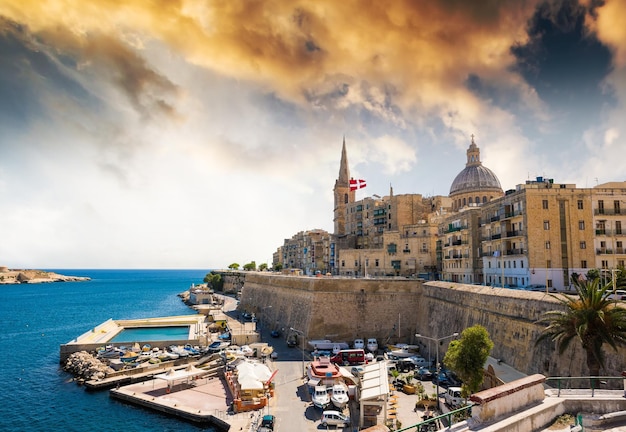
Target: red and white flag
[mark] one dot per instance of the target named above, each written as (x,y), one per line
(357,184)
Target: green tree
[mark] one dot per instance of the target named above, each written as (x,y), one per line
(590,317)
(591,275)
(262,267)
(278,267)
(467,356)
(214,281)
(251,266)
(234,266)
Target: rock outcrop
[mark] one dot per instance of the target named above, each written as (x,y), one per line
(85,366)
(15,276)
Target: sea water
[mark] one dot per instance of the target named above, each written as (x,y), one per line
(35,319)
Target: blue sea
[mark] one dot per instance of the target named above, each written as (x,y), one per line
(36,319)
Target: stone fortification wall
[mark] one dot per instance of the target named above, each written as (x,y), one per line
(393,310)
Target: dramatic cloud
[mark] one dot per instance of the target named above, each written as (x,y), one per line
(194,132)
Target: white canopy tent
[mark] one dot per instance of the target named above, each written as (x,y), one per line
(172,375)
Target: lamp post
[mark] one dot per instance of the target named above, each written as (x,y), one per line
(301,333)
(437,340)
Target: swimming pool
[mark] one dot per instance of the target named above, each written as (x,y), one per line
(152,334)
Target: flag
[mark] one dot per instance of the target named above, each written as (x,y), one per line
(357,184)
(496,253)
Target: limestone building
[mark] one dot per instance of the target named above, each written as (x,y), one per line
(535,236)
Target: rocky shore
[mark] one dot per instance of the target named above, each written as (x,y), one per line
(16,276)
(85,366)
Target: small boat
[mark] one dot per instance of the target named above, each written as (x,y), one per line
(146,348)
(129,357)
(110,352)
(339,395)
(320,397)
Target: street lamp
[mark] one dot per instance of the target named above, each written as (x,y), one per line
(437,340)
(301,333)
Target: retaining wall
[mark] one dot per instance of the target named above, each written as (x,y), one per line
(394,310)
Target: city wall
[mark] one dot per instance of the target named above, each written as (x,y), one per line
(394,310)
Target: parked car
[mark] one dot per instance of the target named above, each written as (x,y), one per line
(292,341)
(275,333)
(453,397)
(357,370)
(334,418)
(419,361)
(267,423)
(405,365)
(359,344)
(618,295)
(423,373)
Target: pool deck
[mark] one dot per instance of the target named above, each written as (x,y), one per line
(103,333)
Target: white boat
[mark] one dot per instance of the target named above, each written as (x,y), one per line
(327,345)
(339,395)
(372,345)
(320,397)
(402,351)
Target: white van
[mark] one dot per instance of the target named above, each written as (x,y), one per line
(334,418)
(453,397)
(372,345)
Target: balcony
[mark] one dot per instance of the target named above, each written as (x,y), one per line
(496,236)
(456,242)
(606,211)
(508,215)
(514,233)
(406,250)
(494,218)
(515,252)
(604,251)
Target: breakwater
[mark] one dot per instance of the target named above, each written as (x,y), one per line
(394,310)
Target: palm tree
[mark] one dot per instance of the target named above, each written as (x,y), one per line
(591,317)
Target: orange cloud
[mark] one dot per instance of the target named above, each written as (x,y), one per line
(413,51)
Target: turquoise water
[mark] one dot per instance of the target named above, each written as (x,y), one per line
(36,319)
(152,334)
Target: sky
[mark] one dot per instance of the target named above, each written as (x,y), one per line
(198,133)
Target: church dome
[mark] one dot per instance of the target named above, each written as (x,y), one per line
(475,177)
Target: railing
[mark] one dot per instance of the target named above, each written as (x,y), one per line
(456,242)
(447,418)
(495,218)
(577,386)
(496,236)
(607,211)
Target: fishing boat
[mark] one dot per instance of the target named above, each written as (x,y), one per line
(322,371)
(320,397)
(339,395)
(129,357)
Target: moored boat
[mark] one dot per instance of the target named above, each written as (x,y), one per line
(339,395)
(320,397)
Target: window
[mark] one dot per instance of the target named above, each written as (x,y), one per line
(521,264)
(583,245)
(549,264)
(583,264)
(581,225)
(376,262)
(549,281)
(356,263)
(616,206)
(618,227)
(601,207)
(391,248)
(544,204)
(548,244)
(580,204)
(343,263)
(546,225)
(605,264)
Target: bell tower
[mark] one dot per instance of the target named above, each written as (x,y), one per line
(342,192)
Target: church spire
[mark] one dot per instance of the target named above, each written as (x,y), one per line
(344,171)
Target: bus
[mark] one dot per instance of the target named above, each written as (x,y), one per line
(349,357)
